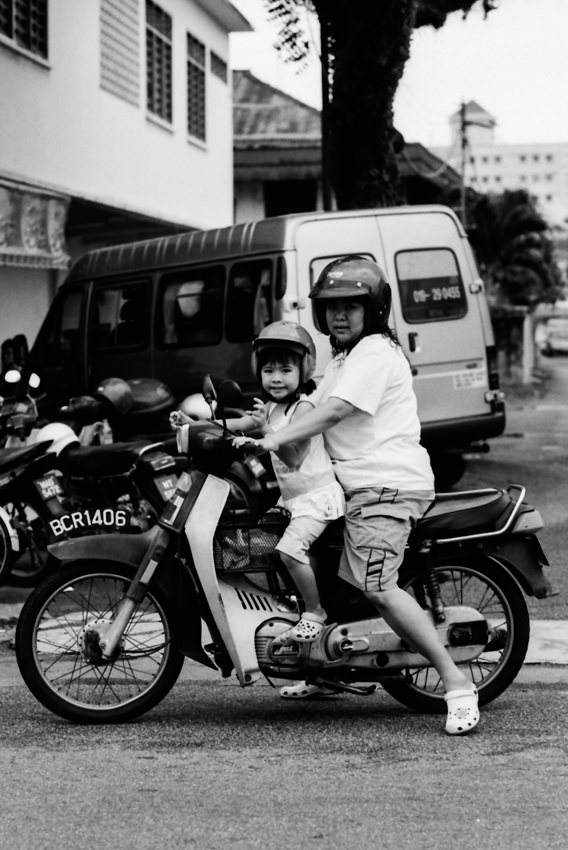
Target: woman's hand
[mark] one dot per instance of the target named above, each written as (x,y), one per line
(267,444)
(258,414)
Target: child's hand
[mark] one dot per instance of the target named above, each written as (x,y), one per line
(258,414)
(258,447)
(179,418)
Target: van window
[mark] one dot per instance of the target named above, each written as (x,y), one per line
(61,337)
(430,285)
(190,307)
(249,300)
(119,315)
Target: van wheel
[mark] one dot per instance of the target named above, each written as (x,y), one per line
(448,468)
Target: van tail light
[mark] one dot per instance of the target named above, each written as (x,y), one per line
(492,371)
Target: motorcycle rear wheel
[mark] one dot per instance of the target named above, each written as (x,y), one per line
(486,585)
(50,640)
(6,553)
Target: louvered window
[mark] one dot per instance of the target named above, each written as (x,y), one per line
(218,67)
(159,61)
(25,23)
(120,49)
(195,87)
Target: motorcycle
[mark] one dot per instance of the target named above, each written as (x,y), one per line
(55,487)
(104,637)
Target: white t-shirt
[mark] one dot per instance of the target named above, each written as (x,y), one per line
(310,489)
(378,445)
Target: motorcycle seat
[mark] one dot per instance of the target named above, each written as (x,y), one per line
(466,513)
(450,515)
(100,461)
(13,458)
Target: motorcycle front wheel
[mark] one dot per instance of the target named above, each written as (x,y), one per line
(485,585)
(52,646)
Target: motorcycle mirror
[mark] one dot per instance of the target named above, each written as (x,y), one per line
(229,394)
(34,381)
(12,376)
(208,390)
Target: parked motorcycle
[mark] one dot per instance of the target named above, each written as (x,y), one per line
(103,638)
(55,488)
(18,409)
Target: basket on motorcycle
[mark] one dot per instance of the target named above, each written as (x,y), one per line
(246,541)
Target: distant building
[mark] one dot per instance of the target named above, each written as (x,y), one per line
(116,125)
(540,168)
(277,156)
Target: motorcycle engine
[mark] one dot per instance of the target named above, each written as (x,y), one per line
(279,658)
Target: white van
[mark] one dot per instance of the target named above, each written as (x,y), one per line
(178,307)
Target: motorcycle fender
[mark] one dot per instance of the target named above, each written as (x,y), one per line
(14,539)
(125,548)
(179,588)
(525,559)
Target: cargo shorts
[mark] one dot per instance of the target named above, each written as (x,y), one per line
(378,522)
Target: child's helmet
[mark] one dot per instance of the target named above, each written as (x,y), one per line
(287,336)
(356,277)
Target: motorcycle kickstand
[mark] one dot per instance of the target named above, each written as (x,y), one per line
(359,690)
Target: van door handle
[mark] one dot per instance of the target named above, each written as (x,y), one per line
(412,337)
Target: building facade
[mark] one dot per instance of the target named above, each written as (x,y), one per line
(489,166)
(117,124)
(278,156)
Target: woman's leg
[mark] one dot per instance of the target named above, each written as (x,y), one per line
(405,616)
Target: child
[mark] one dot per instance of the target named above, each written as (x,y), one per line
(284,362)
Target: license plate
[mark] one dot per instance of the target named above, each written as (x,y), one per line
(48,487)
(166,485)
(90,521)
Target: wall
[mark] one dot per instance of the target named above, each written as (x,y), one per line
(64,132)
(26,295)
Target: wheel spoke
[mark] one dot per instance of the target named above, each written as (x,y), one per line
(59,648)
(494,594)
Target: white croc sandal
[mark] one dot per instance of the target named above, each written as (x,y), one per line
(308,628)
(463,711)
(301,690)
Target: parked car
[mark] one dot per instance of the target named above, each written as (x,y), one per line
(555,339)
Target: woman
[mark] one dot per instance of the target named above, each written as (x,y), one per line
(366,410)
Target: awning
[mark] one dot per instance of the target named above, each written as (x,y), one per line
(32,227)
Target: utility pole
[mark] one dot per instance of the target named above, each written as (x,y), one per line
(325,122)
(463,145)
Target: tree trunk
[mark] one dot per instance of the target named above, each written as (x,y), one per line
(363,142)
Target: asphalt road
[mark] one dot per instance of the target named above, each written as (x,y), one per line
(215,767)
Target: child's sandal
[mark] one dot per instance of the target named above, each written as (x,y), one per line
(308,628)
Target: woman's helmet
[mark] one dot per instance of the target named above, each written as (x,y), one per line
(60,435)
(118,392)
(354,277)
(286,336)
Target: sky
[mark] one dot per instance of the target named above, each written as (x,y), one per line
(514,64)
